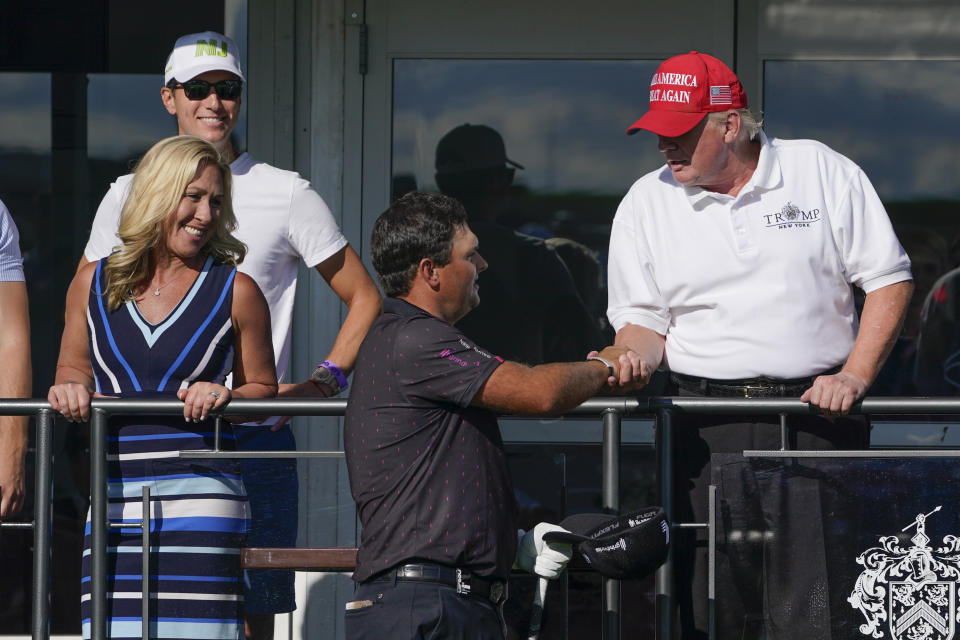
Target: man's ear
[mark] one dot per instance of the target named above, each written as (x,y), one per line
(166,95)
(429,272)
(732,124)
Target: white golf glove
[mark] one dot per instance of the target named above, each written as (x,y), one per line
(545,559)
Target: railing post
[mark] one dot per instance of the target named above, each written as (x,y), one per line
(712,563)
(784,433)
(145,514)
(41,525)
(611,504)
(664,587)
(564,579)
(98,524)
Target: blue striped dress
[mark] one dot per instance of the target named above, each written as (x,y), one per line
(199,510)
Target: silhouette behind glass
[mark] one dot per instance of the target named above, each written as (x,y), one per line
(529,310)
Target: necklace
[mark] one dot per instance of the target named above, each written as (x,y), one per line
(156,291)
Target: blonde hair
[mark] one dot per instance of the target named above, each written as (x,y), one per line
(159,183)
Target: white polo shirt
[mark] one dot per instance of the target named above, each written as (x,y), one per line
(757,284)
(11,262)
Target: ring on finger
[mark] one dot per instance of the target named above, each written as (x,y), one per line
(215,394)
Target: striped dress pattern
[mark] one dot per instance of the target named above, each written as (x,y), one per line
(199,515)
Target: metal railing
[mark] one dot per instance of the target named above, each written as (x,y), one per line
(610,410)
(42,512)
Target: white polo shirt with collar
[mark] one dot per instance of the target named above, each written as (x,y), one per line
(757,284)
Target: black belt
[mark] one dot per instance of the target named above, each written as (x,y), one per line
(761,387)
(466,583)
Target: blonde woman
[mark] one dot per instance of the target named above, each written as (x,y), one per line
(168,315)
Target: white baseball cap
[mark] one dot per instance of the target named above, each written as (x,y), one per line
(201,52)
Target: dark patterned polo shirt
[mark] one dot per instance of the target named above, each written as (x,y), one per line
(428,471)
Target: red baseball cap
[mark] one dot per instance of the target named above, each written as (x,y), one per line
(684,89)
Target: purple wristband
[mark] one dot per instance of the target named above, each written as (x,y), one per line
(337,373)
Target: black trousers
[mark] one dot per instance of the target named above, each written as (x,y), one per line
(401,610)
(766,587)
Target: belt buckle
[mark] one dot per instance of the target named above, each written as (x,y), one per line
(759,388)
(463,586)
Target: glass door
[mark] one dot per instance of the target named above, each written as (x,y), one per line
(521,114)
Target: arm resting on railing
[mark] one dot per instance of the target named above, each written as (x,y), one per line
(15,380)
(74,385)
(547,389)
(880,323)
(254,372)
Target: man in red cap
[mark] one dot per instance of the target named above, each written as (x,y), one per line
(731,266)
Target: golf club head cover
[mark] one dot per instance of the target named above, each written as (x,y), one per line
(627,546)
(537,556)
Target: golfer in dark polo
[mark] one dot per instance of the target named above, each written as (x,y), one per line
(424,453)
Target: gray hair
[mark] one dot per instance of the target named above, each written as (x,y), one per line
(750,123)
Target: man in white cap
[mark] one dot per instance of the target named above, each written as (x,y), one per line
(282,220)
(732,266)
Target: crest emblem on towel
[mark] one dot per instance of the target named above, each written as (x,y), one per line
(913,589)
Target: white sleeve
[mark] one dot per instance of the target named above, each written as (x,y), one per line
(103,232)
(313,231)
(11,262)
(633,294)
(872,255)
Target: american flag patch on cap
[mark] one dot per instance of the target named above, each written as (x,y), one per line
(720,94)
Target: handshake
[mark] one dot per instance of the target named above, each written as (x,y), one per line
(628,370)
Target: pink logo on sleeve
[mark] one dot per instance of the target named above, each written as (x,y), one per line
(446,353)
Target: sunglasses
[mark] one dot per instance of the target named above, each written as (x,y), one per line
(200,89)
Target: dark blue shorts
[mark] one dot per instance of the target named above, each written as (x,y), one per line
(273,491)
(420,611)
